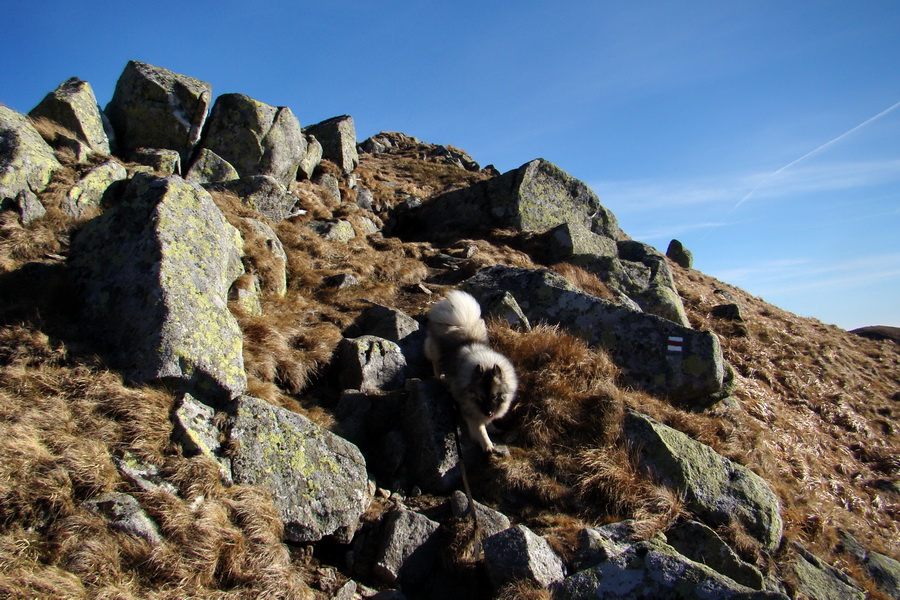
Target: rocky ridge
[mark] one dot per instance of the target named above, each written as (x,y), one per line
(172,279)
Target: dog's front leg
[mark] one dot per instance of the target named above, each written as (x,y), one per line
(478,432)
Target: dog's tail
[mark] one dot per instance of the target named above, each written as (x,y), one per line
(456,320)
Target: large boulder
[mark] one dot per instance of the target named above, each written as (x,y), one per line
(318,480)
(209,167)
(714,488)
(338,139)
(647,279)
(535,197)
(654,570)
(654,353)
(73,107)
(429,426)
(153,107)
(817,579)
(256,138)
(26,161)
(154,272)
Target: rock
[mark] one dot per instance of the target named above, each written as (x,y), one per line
(26,161)
(731,312)
(256,138)
(153,107)
(247,295)
(819,580)
(341,281)
(197,433)
(370,420)
(311,158)
(429,426)
(701,544)
(153,274)
(884,570)
(654,353)
(73,107)
(338,138)
(274,275)
(334,230)
(330,183)
(714,488)
(27,205)
(209,167)
(535,197)
(365,199)
(504,307)
(648,281)
(264,194)
(369,363)
(409,549)
(489,520)
(162,161)
(94,188)
(516,554)
(654,570)
(318,480)
(123,513)
(599,544)
(680,255)
(385,322)
(576,243)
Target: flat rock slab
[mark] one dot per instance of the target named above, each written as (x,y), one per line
(317,479)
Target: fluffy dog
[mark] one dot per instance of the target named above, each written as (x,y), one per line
(482,381)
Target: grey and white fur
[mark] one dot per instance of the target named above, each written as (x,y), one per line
(482,381)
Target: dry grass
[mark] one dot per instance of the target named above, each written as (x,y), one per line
(816,417)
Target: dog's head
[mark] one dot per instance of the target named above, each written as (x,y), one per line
(493,390)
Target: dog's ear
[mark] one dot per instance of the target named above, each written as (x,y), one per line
(496,371)
(479,370)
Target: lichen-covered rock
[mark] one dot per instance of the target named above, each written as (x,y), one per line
(311,158)
(884,570)
(209,167)
(714,488)
(535,197)
(330,183)
(123,513)
(334,230)
(73,107)
(516,554)
(93,187)
(195,430)
(161,160)
(648,281)
(338,139)
(26,161)
(255,138)
(370,363)
(153,107)
(26,204)
(263,193)
(654,570)
(409,549)
(654,353)
(701,544)
(819,580)
(153,272)
(318,480)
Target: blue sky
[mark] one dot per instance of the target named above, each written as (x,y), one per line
(759,133)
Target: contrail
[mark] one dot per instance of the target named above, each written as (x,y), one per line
(810,153)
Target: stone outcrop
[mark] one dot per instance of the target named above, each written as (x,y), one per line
(26,161)
(680,255)
(656,354)
(409,548)
(255,138)
(165,253)
(369,363)
(714,488)
(337,137)
(263,193)
(819,580)
(73,107)
(153,107)
(317,480)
